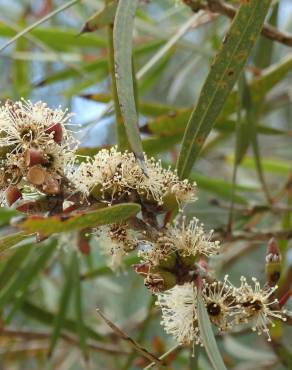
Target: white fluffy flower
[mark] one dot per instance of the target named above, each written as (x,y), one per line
(24,124)
(258,305)
(179,315)
(221,303)
(191,240)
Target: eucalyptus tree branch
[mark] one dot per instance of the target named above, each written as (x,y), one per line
(218,6)
(253,235)
(32,335)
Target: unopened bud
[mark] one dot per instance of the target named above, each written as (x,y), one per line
(12,194)
(273,262)
(57,131)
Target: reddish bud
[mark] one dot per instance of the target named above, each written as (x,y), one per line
(57,131)
(33,157)
(12,194)
(273,252)
(203,263)
(36,175)
(273,262)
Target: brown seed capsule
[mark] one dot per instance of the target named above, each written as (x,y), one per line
(12,194)
(36,175)
(51,186)
(33,157)
(57,131)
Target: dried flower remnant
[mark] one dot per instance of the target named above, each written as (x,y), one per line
(258,304)
(35,146)
(179,313)
(221,303)
(116,241)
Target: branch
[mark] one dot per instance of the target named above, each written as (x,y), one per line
(131,341)
(254,235)
(30,335)
(217,6)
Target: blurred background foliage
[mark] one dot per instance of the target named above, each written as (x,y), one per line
(49,295)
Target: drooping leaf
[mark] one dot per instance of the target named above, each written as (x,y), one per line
(11,240)
(207,336)
(47,318)
(78,303)
(123,31)
(38,22)
(13,264)
(79,221)
(224,72)
(60,317)
(19,285)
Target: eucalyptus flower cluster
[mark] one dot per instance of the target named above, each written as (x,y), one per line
(226,305)
(36,149)
(37,154)
(114,176)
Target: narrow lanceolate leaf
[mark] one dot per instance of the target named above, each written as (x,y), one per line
(101,18)
(12,265)
(79,221)
(123,31)
(63,305)
(79,306)
(225,70)
(208,338)
(11,240)
(46,317)
(38,22)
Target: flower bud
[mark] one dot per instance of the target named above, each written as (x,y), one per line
(273,262)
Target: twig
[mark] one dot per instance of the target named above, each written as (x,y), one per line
(131,341)
(28,335)
(218,6)
(254,235)
(163,356)
(142,333)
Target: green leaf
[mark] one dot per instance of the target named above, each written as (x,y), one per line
(145,107)
(38,22)
(275,166)
(102,216)
(11,240)
(105,270)
(207,336)
(78,305)
(58,38)
(63,305)
(123,33)
(224,72)
(19,285)
(47,318)
(13,264)
(101,18)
